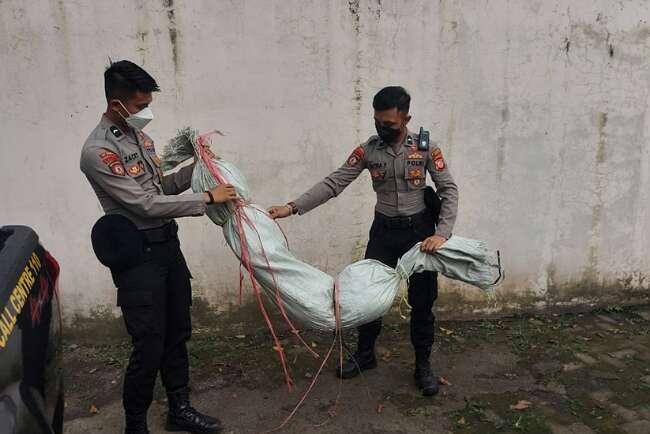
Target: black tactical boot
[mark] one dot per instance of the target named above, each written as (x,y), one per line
(425,380)
(136,424)
(360,361)
(182,417)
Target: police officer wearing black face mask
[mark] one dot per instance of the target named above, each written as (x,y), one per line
(407,212)
(138,241)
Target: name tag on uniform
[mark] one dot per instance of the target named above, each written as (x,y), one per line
(415,163)
(376,165)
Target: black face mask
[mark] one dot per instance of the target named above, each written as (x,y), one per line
(387,134)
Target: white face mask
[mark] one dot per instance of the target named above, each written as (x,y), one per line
(138,120)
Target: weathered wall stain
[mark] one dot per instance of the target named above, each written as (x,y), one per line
(567,46)
(173,31)
(519,102)
(592,273)
(353,7)
(505,113)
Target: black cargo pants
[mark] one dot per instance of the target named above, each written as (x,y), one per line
(387,244)
(155,297)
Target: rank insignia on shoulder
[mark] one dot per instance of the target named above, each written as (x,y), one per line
(116,131)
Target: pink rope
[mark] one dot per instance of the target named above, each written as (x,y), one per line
(245,260)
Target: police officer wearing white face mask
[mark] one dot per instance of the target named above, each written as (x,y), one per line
(137,240)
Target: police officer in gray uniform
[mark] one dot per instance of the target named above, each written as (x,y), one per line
(398,162)
(152,278)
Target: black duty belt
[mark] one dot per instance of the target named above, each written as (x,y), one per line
(161,234)
(402,222)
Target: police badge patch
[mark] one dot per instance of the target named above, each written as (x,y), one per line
(117,169)
(438,160)
(136,169)
(416,177)
(377,174)
(356,156)
(112,160)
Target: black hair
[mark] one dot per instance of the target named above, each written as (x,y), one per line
(392,97)
(124,78)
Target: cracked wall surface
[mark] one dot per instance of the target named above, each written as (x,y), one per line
(541,109)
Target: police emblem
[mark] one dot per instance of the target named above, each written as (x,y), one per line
(109,157)
(112,160)
(136,169)
(355,157)
(377,174)
(117,169)
(438,160)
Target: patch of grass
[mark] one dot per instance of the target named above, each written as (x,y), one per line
(491,413)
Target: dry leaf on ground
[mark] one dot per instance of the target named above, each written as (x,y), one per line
(521,405)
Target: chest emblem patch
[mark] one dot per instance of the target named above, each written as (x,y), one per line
(377,175)
(136,169)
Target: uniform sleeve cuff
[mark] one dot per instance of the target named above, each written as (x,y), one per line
(201,206)
(299,206)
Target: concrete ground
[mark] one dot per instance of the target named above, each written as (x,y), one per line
(561,374)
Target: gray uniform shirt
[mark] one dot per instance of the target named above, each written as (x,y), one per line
(125,174)
(398,178)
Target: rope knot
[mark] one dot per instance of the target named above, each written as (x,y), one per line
(402,273)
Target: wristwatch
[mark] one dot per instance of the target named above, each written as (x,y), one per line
(292,206)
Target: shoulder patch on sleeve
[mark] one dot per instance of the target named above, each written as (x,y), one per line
(113,161)
(438,160)
(356,157)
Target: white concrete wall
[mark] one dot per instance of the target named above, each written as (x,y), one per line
(541,108)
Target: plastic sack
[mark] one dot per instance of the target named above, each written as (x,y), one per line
(366,289)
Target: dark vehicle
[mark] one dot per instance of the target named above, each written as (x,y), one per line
(31,376)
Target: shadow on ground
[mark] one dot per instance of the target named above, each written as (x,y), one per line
(561,374)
